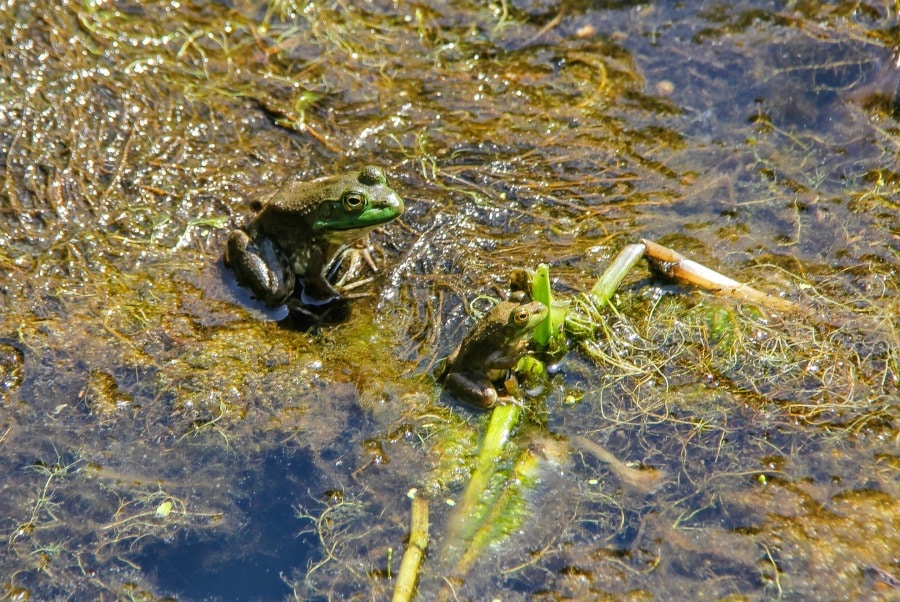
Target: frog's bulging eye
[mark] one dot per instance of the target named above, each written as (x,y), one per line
(353,202)
(521,316)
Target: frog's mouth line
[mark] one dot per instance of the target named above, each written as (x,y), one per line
(369,224)
(374,217)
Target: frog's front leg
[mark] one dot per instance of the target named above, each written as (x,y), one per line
(315,289)
(504,359)
(261,267)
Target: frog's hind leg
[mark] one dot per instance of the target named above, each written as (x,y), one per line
(260,267)
(472,389)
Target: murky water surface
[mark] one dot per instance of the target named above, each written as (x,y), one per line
(159,438)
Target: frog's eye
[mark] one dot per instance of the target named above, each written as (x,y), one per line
(353,202)
(521,316)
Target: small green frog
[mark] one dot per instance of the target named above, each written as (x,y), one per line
(490,351)
(302,228)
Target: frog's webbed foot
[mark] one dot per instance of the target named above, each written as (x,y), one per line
(508,400)
(316,302)
(303,317)
(260,267)
(345,271)
(316,292)
(513,392)
(352,273)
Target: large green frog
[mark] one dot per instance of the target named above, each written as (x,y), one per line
(490,351)
(301,229)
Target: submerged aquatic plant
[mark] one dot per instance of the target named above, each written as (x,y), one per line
(132,134)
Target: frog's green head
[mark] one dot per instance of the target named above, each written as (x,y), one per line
(524,318)
(356,201)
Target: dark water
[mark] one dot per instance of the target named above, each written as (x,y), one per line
(247,565)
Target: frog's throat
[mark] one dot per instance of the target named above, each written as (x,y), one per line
(341,237)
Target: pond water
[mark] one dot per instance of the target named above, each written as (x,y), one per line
(162,438)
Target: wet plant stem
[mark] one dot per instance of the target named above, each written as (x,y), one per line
(606,285)
(471,526)
(676,265)
(540,291)
(415,551)
(470,511)
(523,472)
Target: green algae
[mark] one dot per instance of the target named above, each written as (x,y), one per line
(132,381)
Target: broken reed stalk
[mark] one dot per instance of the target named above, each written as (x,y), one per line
(676,265)
(405,588)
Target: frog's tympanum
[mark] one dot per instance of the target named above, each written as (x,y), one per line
(490,351)
(301,229)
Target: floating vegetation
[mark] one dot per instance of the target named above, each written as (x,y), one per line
(160,438)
